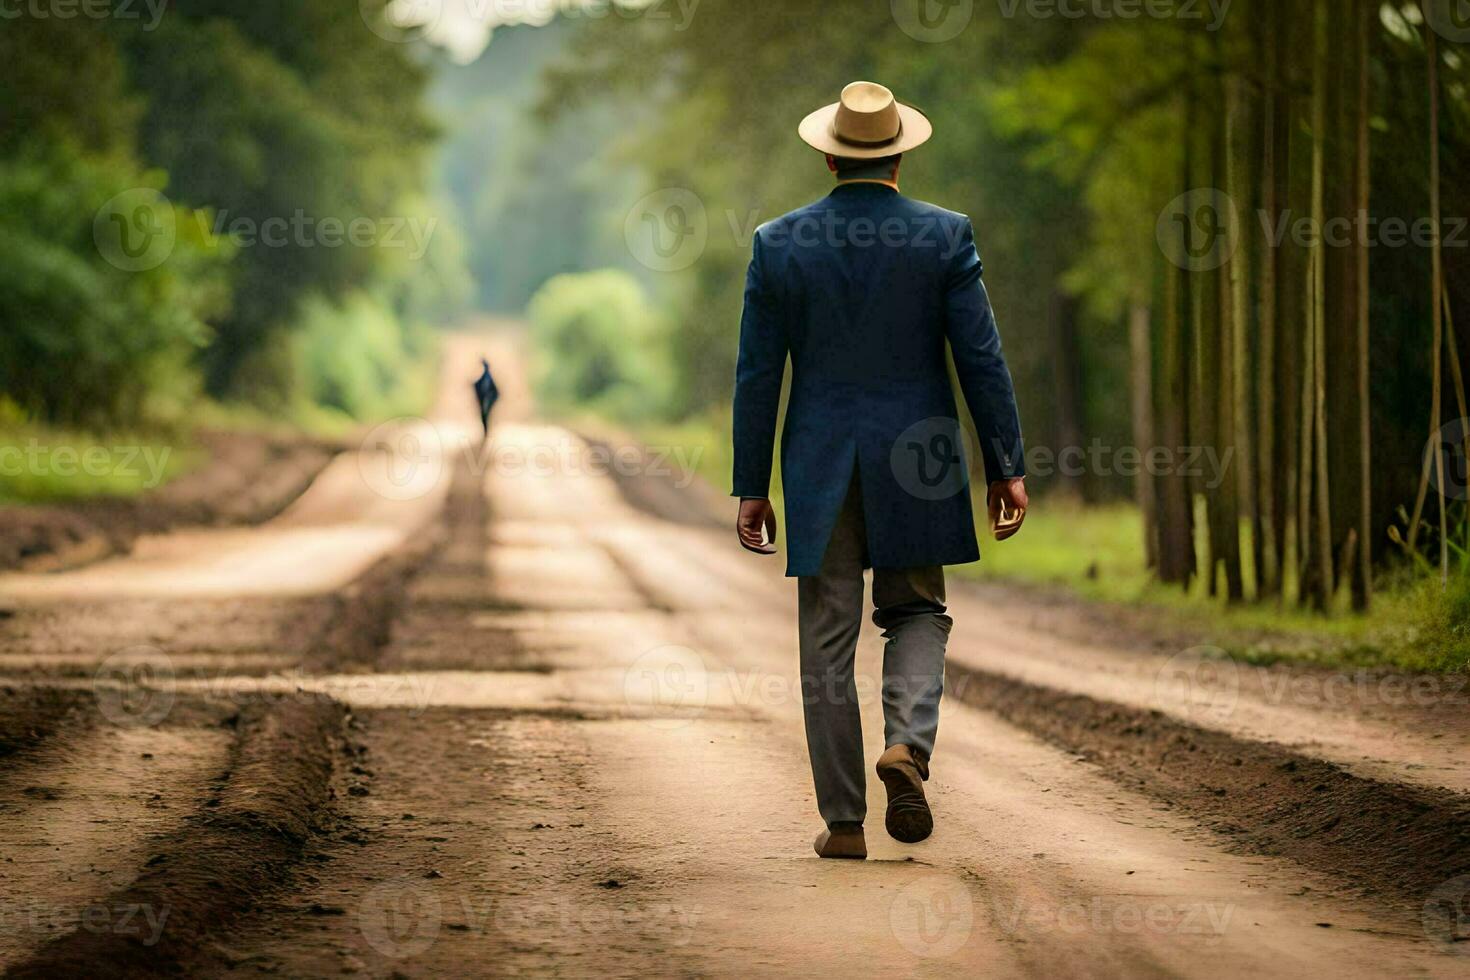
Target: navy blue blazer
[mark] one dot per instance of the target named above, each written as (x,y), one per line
(863,290)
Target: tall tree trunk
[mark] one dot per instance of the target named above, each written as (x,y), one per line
(1306,482)
(1067,386)
(1363,583)
(1452,348)
(1437,397)
(1268,578)
(1291,295)
(1198,300)
(1141,357)
(1176,528)
(1320,490)
(1340,320)
(1231,350)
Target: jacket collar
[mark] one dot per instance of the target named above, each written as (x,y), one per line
(856,190)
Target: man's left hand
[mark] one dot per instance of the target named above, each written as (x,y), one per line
(757,516)
(1008,503)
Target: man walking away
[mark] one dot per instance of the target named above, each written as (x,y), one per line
(865,291)
(486,394)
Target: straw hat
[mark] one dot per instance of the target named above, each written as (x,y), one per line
(867,123)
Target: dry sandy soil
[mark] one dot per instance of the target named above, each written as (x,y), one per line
(538,714)
(248,479)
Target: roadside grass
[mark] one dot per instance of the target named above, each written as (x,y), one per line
(1095,555)
(705,441)
(705,444)
(410,393)
(44,465)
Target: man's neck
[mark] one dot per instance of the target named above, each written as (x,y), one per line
(869,180)
(868,172)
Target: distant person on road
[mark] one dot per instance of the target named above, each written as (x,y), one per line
(864,291)
(486,393)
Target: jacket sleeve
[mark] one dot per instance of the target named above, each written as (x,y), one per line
(762,364)
(981,365)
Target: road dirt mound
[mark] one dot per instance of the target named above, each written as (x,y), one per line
(208,641)
(28,716)
(80,810)
(360,618)
(249,479)
(1393,842)
(279,789)
(657,480)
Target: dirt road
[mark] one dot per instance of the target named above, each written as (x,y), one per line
(572,745)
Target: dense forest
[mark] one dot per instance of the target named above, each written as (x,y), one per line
(1227,243)
(276,156)
(1204,237)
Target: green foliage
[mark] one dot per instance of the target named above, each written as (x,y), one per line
(731,89)
(1442,638)
(46,465)
(600,345)
(262,139)
(84,342)
(284,112)
(538,196)
(1095,555)
(435,286)
(1110,138)
(356,358)
(64,83)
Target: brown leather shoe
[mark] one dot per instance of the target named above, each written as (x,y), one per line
(843,841)
(903,772)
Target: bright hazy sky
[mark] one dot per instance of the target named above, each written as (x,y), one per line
(463,27)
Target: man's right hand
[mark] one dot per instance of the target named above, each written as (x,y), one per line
(757,516)
(1007,503)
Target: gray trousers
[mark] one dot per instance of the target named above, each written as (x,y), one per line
(909,608)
